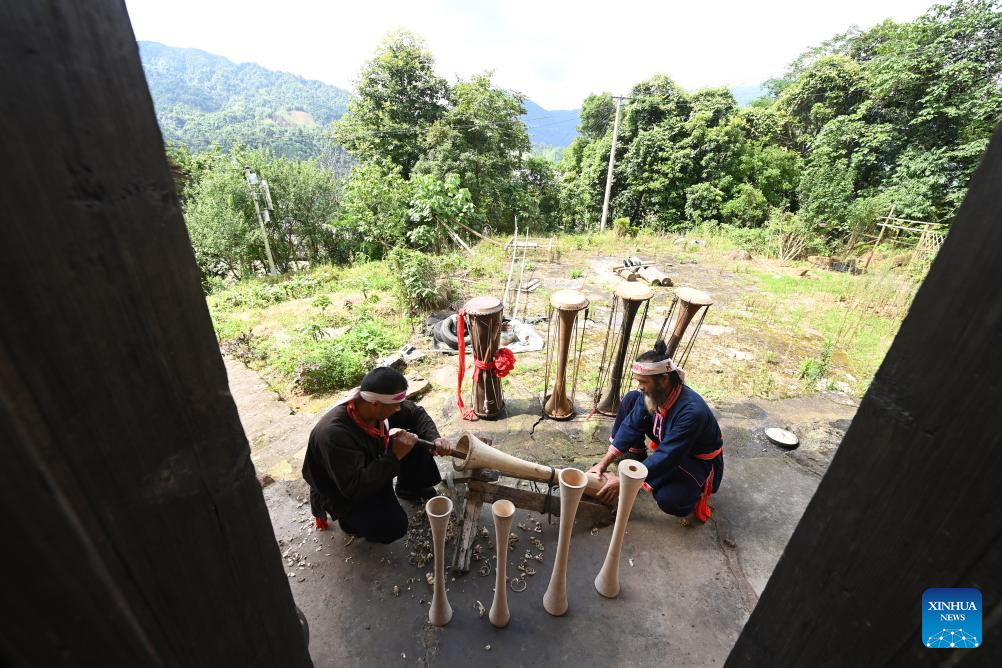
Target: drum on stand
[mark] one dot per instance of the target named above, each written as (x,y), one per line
(571,309)
(629,300)
(688,302)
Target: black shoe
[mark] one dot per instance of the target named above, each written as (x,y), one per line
(422,494)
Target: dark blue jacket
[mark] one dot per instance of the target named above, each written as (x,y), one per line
(689,429)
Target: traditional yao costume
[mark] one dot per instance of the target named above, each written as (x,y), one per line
(684,455)
(350,467)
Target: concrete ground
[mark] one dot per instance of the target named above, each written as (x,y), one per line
(686,592)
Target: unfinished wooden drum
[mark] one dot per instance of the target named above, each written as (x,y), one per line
(483,320)
(630,300)
(571,310)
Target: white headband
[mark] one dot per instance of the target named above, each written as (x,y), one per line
(645,368)
(374,397)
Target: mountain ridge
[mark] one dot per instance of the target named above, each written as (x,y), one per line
(204,99)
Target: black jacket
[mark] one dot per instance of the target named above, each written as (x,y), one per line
(344,465)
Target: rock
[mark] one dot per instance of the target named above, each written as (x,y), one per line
(739,355)
(417,386)
(833,386)
(739,255)
(265,480)
(394,361)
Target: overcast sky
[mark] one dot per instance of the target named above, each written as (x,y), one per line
(554,52)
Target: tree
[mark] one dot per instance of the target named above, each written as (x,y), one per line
(833,86)
(307,199)
(654,175)
(655,102)
(703,202)
(399,97)
(223,224)
(538,193)
(598,112)
(220,218)
(482,138)
(375,210)
(436,202)
(715,104)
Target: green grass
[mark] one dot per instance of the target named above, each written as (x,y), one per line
(281,326)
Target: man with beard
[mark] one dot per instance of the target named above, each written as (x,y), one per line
(685,460)
(359,446)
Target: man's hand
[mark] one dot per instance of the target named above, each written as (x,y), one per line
(610,491)
(401,443)
(443,447)
(598,470)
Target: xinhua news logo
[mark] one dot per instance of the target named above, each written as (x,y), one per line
(951,618)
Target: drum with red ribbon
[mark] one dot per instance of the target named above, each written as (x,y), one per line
(481,316)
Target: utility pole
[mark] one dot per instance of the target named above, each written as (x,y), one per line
(262,217)
(612,163)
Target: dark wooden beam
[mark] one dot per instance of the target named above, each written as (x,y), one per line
(134,531)
(911,500)
(595,512)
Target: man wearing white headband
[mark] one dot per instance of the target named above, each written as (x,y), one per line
(685,455)
(359,446)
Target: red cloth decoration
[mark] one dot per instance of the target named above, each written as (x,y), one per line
(379,433)
(703,510)
(504,362)
(321,523)
(501,365)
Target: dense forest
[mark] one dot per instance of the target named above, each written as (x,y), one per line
(897,115)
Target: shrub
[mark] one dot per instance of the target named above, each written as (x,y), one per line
(791,237)
(812,370)
(703,202)
(325,365)
(623,228)
(748,207)
(417,280)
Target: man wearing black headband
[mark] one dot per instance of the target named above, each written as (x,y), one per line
(359,446)
(685,459)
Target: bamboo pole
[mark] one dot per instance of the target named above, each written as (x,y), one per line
(879,238)
(521,273)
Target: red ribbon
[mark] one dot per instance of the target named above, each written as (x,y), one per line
(378,433)
(703,509)
(501,365)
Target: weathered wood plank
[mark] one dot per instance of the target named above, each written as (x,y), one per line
(136,531)
(535,501)
(467,532)
(911,499)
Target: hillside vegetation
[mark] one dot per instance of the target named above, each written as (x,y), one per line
(202,99)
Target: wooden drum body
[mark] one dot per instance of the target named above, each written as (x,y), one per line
(483,316)
(567,306)
(630,299)
(687,304)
